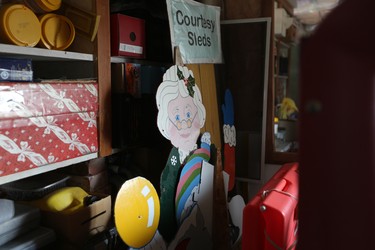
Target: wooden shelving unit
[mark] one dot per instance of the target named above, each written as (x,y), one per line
(99,57)
(45,168)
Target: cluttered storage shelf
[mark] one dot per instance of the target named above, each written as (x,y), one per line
(58,115)
(55,114)
(33,113)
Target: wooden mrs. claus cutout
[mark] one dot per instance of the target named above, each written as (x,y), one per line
(181,116)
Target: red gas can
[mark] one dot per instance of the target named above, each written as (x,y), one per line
(270,219)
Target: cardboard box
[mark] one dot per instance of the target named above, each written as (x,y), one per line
(90,183)
(12,69)
(38,141)
(45,123)
(91,167)
(78,227)
(127,36)
(47,98)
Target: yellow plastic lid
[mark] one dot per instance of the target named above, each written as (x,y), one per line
(20,25)
(43,6)
(49,5)
(58,31)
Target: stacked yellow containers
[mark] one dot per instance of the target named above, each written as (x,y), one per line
(43,6)
(57,31)
(20,25)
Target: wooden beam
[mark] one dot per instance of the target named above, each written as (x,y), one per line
(204,75)
(103,66)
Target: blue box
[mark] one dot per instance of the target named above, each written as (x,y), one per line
(12,69)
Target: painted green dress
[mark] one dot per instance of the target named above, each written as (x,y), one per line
(168,183)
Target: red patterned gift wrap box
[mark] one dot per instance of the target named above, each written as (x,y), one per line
(47,98)
(45,123)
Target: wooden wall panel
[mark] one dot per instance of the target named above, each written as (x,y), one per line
(242,9)
(205,78)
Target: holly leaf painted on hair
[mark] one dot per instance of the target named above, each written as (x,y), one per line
(179,74)
(190,84)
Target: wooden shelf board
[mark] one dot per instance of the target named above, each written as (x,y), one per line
(46,168)
(42,54)
(281,76)
(120,59)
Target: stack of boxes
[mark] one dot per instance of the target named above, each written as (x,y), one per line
(91,176)
(22,229)
(71,215)
(46,123)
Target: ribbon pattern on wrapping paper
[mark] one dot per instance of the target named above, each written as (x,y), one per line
(23,151)
(70,104)
(29,132)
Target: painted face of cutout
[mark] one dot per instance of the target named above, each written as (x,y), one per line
(184,126)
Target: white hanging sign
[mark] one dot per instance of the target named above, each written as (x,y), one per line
(195,29)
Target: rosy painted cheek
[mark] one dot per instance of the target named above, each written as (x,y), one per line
(175,137)
(196,125)
(173,132)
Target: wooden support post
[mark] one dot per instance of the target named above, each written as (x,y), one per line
(204,75)
(220,227)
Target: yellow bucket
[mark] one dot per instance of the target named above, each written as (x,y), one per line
(19,25)
(58,31)
(43,6)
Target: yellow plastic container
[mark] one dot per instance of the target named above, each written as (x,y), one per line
(43,6)
(19,25)
(58,31)
(65,200)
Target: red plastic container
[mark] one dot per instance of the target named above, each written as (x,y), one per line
(127,36)
(270,218)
